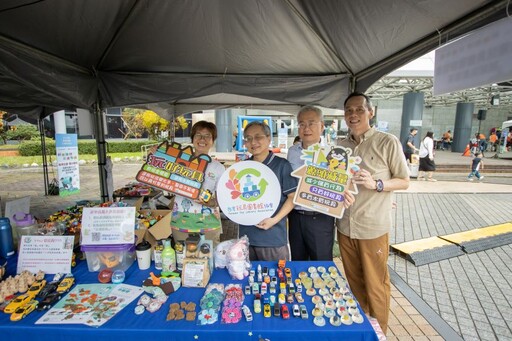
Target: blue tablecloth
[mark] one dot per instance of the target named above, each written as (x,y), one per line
(128,326)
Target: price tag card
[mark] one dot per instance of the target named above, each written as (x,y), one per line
(51,254)
(108,225)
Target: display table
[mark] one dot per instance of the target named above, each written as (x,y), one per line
(128,326)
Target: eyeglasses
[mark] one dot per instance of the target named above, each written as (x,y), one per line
(310,124)
(258,138)
(205,137)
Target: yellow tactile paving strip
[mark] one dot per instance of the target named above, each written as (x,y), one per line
(421,245)
(479,233)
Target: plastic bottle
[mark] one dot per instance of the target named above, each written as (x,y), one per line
(168,259)
(157,253)
(6,242)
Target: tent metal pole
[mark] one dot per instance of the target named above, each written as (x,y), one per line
(101,149)
(40,124)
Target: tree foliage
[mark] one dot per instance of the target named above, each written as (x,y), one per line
(22,132)
(138,121)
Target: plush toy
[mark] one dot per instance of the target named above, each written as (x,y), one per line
(221,253)
(238,259)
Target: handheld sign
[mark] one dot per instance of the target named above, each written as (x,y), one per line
(248,192)
(175,169)
(324,177)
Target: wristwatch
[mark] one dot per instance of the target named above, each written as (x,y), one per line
(379,185)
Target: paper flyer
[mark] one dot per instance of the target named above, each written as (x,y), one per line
(324,177)
(108,225)
(51,254)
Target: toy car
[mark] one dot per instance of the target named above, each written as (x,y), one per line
(247,313)
(304,311)
(271,272)
(66,284)
(24,310)
(285,313)
(277,309)
(257,306)
(263,288)
(16,303)
(247,289)
(48,289)
(266,310)
(36,287)
(281,264)
(296,310)
(289,298)
(264,272)
(48,301)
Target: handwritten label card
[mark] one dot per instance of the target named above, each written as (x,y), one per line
(51,254)
(108,225)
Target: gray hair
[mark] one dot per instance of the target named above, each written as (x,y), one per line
(264,126)
(309,108)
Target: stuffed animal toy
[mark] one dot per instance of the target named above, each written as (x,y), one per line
(238,259)
(221,253)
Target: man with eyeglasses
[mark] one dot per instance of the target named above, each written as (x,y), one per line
(363,231)
(268,238)
(311,233)
(203,136)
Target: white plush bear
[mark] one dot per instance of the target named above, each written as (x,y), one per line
(221,253)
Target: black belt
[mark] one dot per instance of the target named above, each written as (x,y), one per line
(306,212)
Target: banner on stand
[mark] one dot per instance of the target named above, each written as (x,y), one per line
(67,164)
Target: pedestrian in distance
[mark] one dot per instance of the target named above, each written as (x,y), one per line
(476,164)
(409,147)
(427,163)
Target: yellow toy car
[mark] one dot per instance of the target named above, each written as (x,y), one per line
(19,301)
(24,310)
(36,287)
(266,310)
(65,284)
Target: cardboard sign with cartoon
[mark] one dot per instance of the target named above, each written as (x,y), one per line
(175,169)
(324,177)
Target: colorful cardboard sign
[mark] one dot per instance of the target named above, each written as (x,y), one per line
(175,169)
(248,192)
(324,177)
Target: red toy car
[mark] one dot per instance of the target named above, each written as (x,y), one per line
(285,313)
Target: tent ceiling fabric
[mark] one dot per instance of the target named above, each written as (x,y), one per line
(63,54)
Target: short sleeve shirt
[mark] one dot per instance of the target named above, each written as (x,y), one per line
(277,235)
(371,214)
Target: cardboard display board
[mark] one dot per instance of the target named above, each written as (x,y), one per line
(324,177)
(248,192)
(175,169)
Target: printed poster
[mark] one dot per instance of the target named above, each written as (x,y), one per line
(91,304)
(192,217)
(324,177)
(108,225)
(248,192)
(67,164)
(51,254)
(175,169)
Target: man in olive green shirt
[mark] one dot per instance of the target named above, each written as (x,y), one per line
(363,231)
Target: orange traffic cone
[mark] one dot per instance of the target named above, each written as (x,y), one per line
(467,151)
